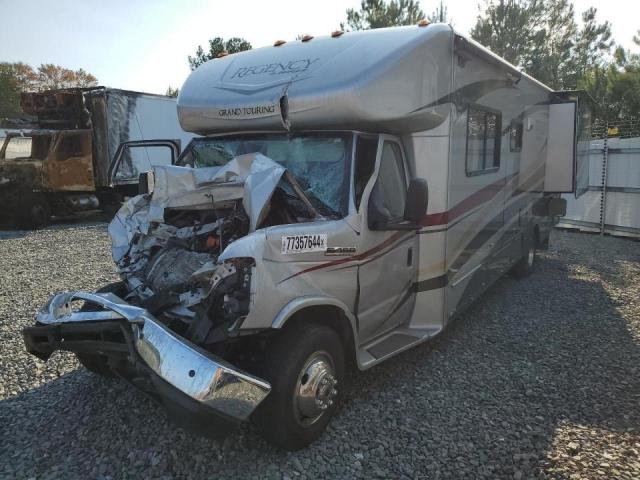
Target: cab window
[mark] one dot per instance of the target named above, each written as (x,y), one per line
(389,193)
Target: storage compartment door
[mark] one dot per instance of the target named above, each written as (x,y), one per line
(560,171)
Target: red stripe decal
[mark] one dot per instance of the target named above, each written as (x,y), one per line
(481,196)
(360,256)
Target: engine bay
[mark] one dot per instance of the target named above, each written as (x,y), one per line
(168,257)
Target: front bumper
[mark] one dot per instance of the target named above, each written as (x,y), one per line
(181,373)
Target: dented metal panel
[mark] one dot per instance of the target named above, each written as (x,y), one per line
(69,164)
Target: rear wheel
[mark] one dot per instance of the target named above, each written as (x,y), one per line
(34,211)
(525,265)
(305,366)
(93,362)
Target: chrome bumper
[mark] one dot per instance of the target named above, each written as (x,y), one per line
(207,379)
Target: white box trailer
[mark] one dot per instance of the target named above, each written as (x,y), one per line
(350,196)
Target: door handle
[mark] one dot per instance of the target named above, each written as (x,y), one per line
(410,257)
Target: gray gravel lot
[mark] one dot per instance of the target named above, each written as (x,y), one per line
(540,379)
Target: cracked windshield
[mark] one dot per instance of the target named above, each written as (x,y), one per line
(319,163)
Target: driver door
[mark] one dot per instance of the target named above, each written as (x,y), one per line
(389,257)
(139,156)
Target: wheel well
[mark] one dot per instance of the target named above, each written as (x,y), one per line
(328,315)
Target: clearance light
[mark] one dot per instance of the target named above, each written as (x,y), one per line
(277,43)
(423,23)
(336,33)
(223,53)
(306,38)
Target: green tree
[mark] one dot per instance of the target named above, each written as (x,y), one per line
(218,46)
(543,38)
(380,13)
(615,86)
(440,14)
(172,92)
(511,28)
(9,92)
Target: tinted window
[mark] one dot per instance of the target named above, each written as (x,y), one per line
(483,141)
(390,190)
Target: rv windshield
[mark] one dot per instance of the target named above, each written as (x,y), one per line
(320,163)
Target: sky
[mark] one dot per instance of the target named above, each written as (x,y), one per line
(144,44)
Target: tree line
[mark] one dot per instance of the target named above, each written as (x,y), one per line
(541,37)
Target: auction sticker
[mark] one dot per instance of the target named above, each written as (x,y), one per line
(304,243)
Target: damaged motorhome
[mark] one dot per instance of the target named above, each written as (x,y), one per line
(350,196)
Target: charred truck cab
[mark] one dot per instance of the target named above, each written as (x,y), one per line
(350,197)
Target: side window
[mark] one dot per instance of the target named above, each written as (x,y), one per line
(390,191)
(483,141)
(515,137)
(18,147)
(366,148)
(72,145)
(139,159)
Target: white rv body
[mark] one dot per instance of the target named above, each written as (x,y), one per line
(296,232)
(415,85)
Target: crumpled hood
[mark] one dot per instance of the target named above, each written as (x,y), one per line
(252,178)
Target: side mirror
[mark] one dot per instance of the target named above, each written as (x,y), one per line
(415,207)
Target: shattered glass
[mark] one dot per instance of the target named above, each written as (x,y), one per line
(320,163)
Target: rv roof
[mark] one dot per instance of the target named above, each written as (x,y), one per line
(391,79)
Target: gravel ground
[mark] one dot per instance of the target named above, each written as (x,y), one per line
(541,379)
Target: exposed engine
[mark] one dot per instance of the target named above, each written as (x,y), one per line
(166,245)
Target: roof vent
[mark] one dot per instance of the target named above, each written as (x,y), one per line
(337,33)
(277,43)
(306,38)
(223,53)
(423,23)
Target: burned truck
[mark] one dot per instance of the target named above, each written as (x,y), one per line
(82,152)
(298,235)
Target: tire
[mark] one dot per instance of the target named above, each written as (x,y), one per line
(34,211)
(305,366)
(95,363)
(526,264)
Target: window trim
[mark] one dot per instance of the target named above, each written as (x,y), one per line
(498,141)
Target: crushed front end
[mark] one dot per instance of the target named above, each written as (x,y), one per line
(172,326)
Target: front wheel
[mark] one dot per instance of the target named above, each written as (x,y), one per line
(305,366)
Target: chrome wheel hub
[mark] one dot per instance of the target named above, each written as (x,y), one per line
(316,388)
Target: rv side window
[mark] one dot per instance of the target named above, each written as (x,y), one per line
(389,192)
(515,142)
(483,141)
